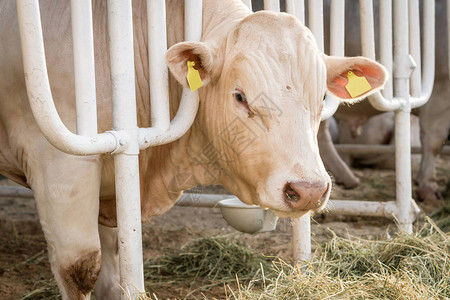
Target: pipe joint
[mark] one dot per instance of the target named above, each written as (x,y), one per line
(391,210)
(124,142)
(404,69)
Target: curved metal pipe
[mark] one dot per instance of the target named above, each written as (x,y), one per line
(39,93)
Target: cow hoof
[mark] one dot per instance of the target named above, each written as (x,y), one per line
(349,184)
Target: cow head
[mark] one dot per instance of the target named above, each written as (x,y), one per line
(261,106)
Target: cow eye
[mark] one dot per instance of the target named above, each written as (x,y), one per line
(240,97)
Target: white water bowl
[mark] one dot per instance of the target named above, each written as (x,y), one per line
(247,218)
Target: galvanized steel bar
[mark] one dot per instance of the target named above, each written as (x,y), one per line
(158,71)
(379,149)
(39,93)
(428,54)
(193,20)
(315,21)
(273,5)
(337,40)
(386,45)
(189,101)
(367,28)
(248,3)
(301,237)
(128,205)
(448,35)
(296,8)
(84,67)
(402,117)
(414,48)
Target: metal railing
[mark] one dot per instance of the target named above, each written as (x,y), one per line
(126,139)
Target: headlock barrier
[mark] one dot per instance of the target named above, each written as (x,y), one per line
(409,63)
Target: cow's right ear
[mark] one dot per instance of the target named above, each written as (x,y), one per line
(200,53)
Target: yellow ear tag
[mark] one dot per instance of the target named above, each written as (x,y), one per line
(356,85)
(193,77)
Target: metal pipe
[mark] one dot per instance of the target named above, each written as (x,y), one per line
(448,35)
(414,48)
(386,45)
(387,209)
(248,3)
(296,8)
(84,67)
(179,125)
(368,50)
(120,29)
(301,237)
(402,117)
(189,101)
(158,71)
(273,5)
(39,93)
(337,39)
(337,27)
(193,11)
(428,66)
(362,208)
(315,21)
(367,28)
(15,192)
(379,149)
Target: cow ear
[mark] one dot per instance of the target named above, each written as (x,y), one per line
(339,68)
(200,53)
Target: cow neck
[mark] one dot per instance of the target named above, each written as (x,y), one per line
(170,169)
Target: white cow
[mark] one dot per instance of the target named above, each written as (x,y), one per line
(255,132)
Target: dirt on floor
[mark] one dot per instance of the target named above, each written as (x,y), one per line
(25,270)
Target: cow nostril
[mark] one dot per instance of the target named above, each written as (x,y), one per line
(324,196)
(291,194)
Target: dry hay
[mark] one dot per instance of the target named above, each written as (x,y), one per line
(406,267)
(205,263)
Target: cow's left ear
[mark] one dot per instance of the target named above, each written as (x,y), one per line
(341,70)
(200,53)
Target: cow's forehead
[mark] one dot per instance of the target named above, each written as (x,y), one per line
(277,50)
(277,31)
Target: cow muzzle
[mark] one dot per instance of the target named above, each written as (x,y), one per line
(306,195)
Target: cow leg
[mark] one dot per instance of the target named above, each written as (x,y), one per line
(107,286)
(434,129)
(332,161)
(66,190)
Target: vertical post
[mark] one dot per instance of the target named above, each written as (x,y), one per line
(120,27)
(448,34)
(367,28)
(337,27)
(296,8)
(315,21)
(402,71)
(414,47)
(301,227)
(273,5)
(248,3)
(301,238)
(84,67)
(158,72)
(386,44)
(193,20)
